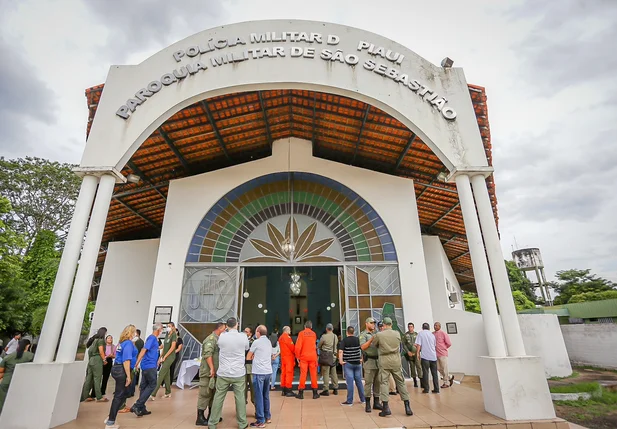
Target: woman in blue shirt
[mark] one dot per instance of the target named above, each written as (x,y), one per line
(122,372)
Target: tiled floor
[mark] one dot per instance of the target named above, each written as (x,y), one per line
(459,406)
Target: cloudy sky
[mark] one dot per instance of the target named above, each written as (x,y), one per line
(547,66)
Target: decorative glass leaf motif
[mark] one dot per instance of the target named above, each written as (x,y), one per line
(306,249)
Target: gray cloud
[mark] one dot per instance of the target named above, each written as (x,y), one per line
(570,44)
(25,100)
(143,24)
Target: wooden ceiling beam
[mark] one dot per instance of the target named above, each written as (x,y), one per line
(135,212)
(145,178)
(404,153)
(204,105)
(366,112)
(446,214)
(265,115)
(174,149)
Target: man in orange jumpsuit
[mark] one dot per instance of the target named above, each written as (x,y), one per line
(288,361)
(306,353)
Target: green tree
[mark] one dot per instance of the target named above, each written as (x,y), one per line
(593,296)
(576,282)
(13,289)
(472,302)
(521,301)
(42,194)
(519,281)
(40,267)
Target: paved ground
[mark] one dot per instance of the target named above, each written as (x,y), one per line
(459,406)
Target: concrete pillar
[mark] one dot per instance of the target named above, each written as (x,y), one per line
(509,319)
(490,318)
(83,280)
(66,272)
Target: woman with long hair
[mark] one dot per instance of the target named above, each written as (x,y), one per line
(110,355)
(7,366)
(96,362)
(122,373)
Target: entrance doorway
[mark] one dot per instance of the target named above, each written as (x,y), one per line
(270,298)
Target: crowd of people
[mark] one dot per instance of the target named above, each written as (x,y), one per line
(248,361)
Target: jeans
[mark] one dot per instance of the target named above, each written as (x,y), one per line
(261,385)
(275,367)
(148,383)
(120,393)
(432,364)
(353,373)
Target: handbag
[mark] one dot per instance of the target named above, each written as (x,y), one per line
(326,358)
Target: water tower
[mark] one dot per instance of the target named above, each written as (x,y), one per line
(531,260)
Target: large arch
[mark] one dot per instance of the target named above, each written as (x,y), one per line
(226,228)
(114,139)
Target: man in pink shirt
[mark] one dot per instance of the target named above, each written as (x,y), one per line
(442,344)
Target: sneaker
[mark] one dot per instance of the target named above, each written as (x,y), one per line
(257,425)
(167,395)
(103,399)
(349,404)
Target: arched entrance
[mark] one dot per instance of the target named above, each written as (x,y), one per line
(248,249)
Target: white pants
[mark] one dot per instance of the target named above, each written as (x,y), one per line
(442,367)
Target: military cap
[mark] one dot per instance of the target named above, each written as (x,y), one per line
(387,321)
(370,320)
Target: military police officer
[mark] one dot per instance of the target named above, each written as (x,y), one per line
(371,367)
(207,373)
(410,350)
(388,342)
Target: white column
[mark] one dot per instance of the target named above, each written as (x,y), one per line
(83,280)
(509,319)
(492,330)
(66,272)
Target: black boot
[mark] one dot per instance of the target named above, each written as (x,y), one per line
(300,394)
(316,394)
(386,410)
(201,419)
(325,392)
(290,393)
(367,405)
(415,382)
(408,408)
(377,404)
(335,392)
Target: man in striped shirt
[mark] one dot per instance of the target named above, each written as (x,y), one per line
(350,358)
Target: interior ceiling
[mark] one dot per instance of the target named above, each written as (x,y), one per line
(232,129)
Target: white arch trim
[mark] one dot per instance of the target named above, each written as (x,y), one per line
(457,142)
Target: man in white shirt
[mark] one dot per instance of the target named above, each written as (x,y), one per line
(425,342)
(231,372)
(11,347)
(261,355)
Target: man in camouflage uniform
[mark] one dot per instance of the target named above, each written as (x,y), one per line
(388,342)
(371,367)
(410,350)
(207,374)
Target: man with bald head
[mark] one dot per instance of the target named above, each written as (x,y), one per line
(261,355)
(442,344)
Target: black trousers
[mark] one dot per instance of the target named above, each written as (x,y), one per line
(120,393)
(432,365)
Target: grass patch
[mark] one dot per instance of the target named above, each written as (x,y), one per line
(597,412)
(573,375)
(576,388)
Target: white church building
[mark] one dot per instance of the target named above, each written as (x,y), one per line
(284,171)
